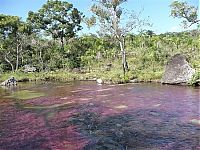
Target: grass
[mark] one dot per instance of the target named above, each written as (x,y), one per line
(41,76)
(113,76)
(98,70)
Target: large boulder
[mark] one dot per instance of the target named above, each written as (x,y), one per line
(177,70)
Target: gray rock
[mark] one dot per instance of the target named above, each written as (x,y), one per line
(99,81)
(28,68)
(10,82)
(76,70)
(134,81)
(197,83)
(177,71)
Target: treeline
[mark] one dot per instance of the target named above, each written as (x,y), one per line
(88,50)
(48,40)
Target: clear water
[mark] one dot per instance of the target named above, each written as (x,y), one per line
(84,115)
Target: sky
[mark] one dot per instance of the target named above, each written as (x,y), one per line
(158,11)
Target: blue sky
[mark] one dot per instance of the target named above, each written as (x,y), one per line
(157,10)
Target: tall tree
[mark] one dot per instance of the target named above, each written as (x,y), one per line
(57,18)
(185,11)
(12,31)
(109,14)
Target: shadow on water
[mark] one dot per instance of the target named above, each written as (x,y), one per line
(137,129)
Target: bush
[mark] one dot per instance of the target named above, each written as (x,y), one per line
(195,78)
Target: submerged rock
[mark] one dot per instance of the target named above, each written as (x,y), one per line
(177,71)
(10,82)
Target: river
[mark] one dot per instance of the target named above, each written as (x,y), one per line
(84,115)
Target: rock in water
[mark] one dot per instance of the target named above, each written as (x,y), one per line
(99,81)
(177,71)
(10,82)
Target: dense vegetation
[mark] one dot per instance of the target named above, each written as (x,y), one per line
(48,40)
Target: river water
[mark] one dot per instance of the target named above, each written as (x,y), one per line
(84,115)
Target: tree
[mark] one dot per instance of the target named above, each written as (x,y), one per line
(12,31)
(57,18)
(185,11)
(109,14)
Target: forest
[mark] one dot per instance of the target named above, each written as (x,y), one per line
(49,42)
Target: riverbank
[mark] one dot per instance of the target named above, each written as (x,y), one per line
(115,77)
(109,77)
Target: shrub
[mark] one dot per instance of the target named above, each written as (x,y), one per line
(195,78)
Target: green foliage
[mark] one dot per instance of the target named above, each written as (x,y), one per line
(183,10)
(8,24)
(57,18)
(61,76)
(196,64)
(195,78)
(146,55)
(12,39)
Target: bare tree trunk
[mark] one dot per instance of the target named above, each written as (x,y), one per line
(7,60)
(22,60)
(62,47)
(41,61)
(123,53)
(17,58)
(62,41)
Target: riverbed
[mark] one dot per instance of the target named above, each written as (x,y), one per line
(85,115)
